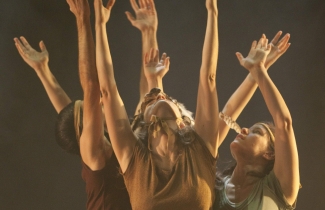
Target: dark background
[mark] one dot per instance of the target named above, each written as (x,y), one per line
(36,174)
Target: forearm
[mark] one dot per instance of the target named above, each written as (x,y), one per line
(236,103)
(103,60)
(87,66)
(286,166)
(56,94)
(273,99)
(210,47)
(149,40)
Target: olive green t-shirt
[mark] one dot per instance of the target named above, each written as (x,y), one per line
(190,185)
(266,195)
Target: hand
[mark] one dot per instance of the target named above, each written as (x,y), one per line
(145,15)
(257,54)
(80,8)
(36,60)
(102,13)
(278,48)
(153,67)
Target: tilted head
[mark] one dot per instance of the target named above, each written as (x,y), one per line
(158,104)
(255,145)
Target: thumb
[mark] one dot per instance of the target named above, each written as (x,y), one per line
(239,57)
(110,4)
(129,16)
(167,63)
(42,46)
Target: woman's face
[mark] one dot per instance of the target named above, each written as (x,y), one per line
(158,103)
(251,142)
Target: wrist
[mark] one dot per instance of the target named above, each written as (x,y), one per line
(42,69)
(258,72)
(148,30)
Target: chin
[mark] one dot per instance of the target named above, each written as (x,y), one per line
(164,108)
(235,147)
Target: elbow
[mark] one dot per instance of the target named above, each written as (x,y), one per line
(209,80)
(284,122)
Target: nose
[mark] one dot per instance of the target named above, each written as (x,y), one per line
(160,97)
(244,131)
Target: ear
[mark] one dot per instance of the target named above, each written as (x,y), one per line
(269,155)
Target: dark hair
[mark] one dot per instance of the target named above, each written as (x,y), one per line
(65,132)
(231,167)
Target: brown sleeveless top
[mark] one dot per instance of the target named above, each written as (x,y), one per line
(190,185)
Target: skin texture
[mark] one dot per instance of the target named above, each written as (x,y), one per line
(245,91)
(286,167)
(122,137)
(39,62)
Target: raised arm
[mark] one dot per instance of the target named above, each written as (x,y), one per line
(91,140)
(239,99)
(146,21)
(39,62)
(119,129)
(206,118)
(286,166)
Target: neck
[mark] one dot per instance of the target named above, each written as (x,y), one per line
(163,146)
(245,175)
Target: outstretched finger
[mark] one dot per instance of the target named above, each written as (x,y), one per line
(110,4)
(148,6)
(283,42)
(254,43)
(130,17)
(25,42)
(142,4)
(156,58)
(134,5)
(18,43)
(163,57)
(266,43)
(152,5)
(276,38)
(240,57)
(20,51)
(260,42)
(167,63)
(285,48)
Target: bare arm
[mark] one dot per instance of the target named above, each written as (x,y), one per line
(206,119)
(91,140)
(39,62)
(286,166)
(119,129)
(146,21)
(239,99)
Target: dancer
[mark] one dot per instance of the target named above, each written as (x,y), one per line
(105,187)
(266,174)
(177,168)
